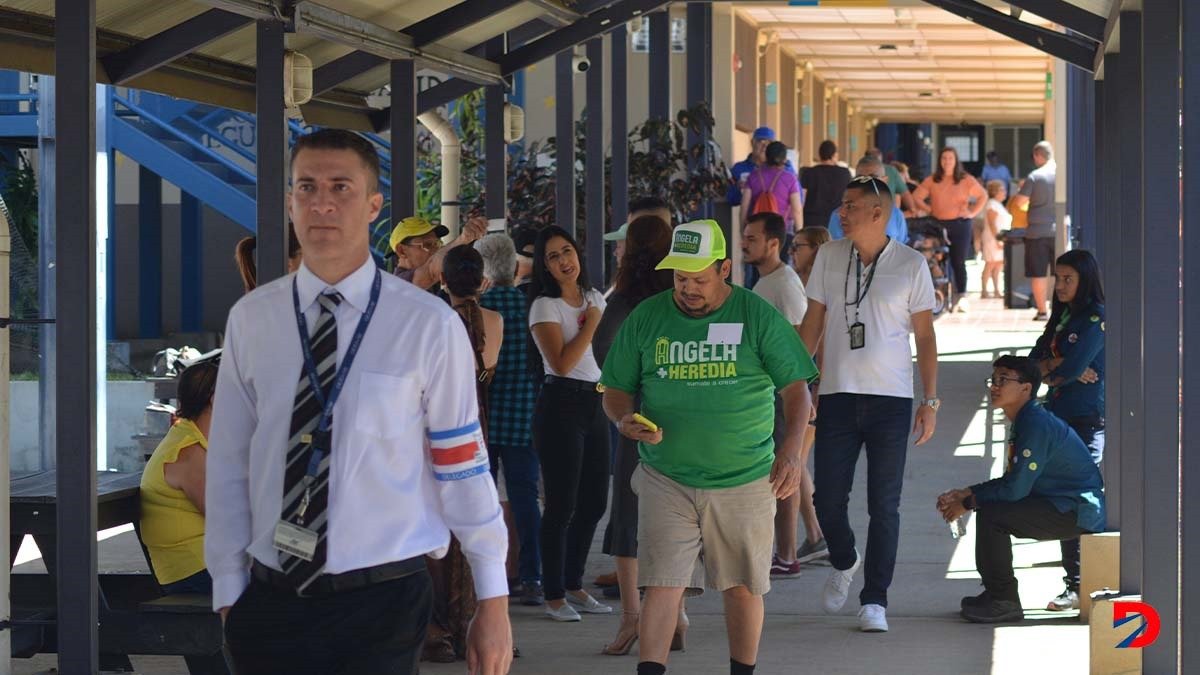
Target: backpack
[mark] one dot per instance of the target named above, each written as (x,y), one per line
(766,200)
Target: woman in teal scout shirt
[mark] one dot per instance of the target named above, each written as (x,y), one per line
(1071,355)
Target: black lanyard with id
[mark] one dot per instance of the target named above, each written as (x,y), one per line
(294,537)
(858,331)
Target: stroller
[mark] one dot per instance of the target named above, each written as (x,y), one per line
(930,238)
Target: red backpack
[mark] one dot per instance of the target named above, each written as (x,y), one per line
(766,200)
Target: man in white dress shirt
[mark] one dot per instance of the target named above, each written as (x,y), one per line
(345,447)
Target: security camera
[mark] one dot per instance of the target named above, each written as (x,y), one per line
(580,64)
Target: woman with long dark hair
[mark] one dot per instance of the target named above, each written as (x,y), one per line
(647,242)
(454,592)
(1070,354)
(955,199)
(172,487)
(570,430)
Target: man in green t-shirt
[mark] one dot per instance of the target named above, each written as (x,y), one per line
(706,359)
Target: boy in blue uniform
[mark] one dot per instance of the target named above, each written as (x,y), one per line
(1070,355)
(1050,490)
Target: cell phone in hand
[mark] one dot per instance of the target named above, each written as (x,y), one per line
(640,419)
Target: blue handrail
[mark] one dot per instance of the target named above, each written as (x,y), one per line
(18,97)
(247,177)
(216,135)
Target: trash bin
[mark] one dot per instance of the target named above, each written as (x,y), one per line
(1018,293)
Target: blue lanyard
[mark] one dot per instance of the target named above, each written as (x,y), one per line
(320,447)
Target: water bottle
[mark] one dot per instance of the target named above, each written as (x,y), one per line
(958,527)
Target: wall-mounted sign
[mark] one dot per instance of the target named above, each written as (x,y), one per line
(833,130)
(772,93)
(806,114)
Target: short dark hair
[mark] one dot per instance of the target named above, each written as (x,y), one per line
(196,386)
(341,139)
(776,153)
(523,237)
(772,225)
(1026,369)
(869,185)
(647,203)
(826,150)
(462,271)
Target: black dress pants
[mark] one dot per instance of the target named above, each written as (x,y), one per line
(375,629)
(1029,518)
(962,239)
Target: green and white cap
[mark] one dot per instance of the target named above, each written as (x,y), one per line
(618,234)
(695,246)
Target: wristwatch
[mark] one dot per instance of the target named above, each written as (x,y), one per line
(933,403)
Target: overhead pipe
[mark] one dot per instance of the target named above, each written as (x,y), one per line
(444,132)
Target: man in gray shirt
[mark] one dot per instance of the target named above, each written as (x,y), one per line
(1038,193)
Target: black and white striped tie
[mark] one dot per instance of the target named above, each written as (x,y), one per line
(306,413)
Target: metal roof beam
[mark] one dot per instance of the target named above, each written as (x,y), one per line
(597,23)
(172,43)
(456,18)
(1065,14)
(370,37)
(556,13)
(1076,51)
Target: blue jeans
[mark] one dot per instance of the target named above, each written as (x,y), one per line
(199,583)
(1092,434)
(846,423)
(521,471)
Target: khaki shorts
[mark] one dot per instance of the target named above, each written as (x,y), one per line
(731,529)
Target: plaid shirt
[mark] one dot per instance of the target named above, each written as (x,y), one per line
(513,392)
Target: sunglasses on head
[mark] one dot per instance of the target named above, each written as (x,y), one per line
(874,182)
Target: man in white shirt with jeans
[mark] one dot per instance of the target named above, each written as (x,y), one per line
(345,447)
(866,294)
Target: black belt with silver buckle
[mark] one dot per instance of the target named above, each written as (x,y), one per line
(328,584)
(571,384)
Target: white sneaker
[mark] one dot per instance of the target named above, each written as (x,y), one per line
(590,606)
(564,613)
(872,619)
(837,587)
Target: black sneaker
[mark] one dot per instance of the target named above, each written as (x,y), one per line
(532,594)
(994,611)
(975,600)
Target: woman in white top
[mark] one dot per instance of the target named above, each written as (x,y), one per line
(570,431)
(997,219)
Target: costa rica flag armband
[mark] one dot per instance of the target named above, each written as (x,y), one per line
(458,453)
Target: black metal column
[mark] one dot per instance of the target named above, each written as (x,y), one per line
(1189,606)
(75,312)
(594,170)
(496,150)
(272,140)
(1096,179)
(619,85)
(1131,391)
(1081,180)
(150,253)
(564,141)
(404,141)
(1110,176)
(660,65)
(699,87)
(1161,309)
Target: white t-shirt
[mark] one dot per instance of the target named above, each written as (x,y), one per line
(1003,217)
(556,310)
(784,290)
(900,288)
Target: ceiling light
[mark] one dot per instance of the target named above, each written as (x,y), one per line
(887,48)
(926,94)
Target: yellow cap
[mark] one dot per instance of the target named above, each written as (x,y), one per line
(414,226)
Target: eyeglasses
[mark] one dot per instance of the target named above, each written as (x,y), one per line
(429,246)
(859,180)
(802,244)
(1001,380)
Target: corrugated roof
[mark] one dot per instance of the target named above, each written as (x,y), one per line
(222,72)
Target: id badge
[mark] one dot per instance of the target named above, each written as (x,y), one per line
(858,336)
(295,540)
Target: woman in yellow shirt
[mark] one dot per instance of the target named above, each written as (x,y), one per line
(172,489)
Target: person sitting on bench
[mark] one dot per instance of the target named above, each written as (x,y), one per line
(1050,490)
(172,489)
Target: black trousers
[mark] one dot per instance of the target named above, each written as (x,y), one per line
(570,433)
(375,629)
(1091,431)
(961,245)
(1029,518)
